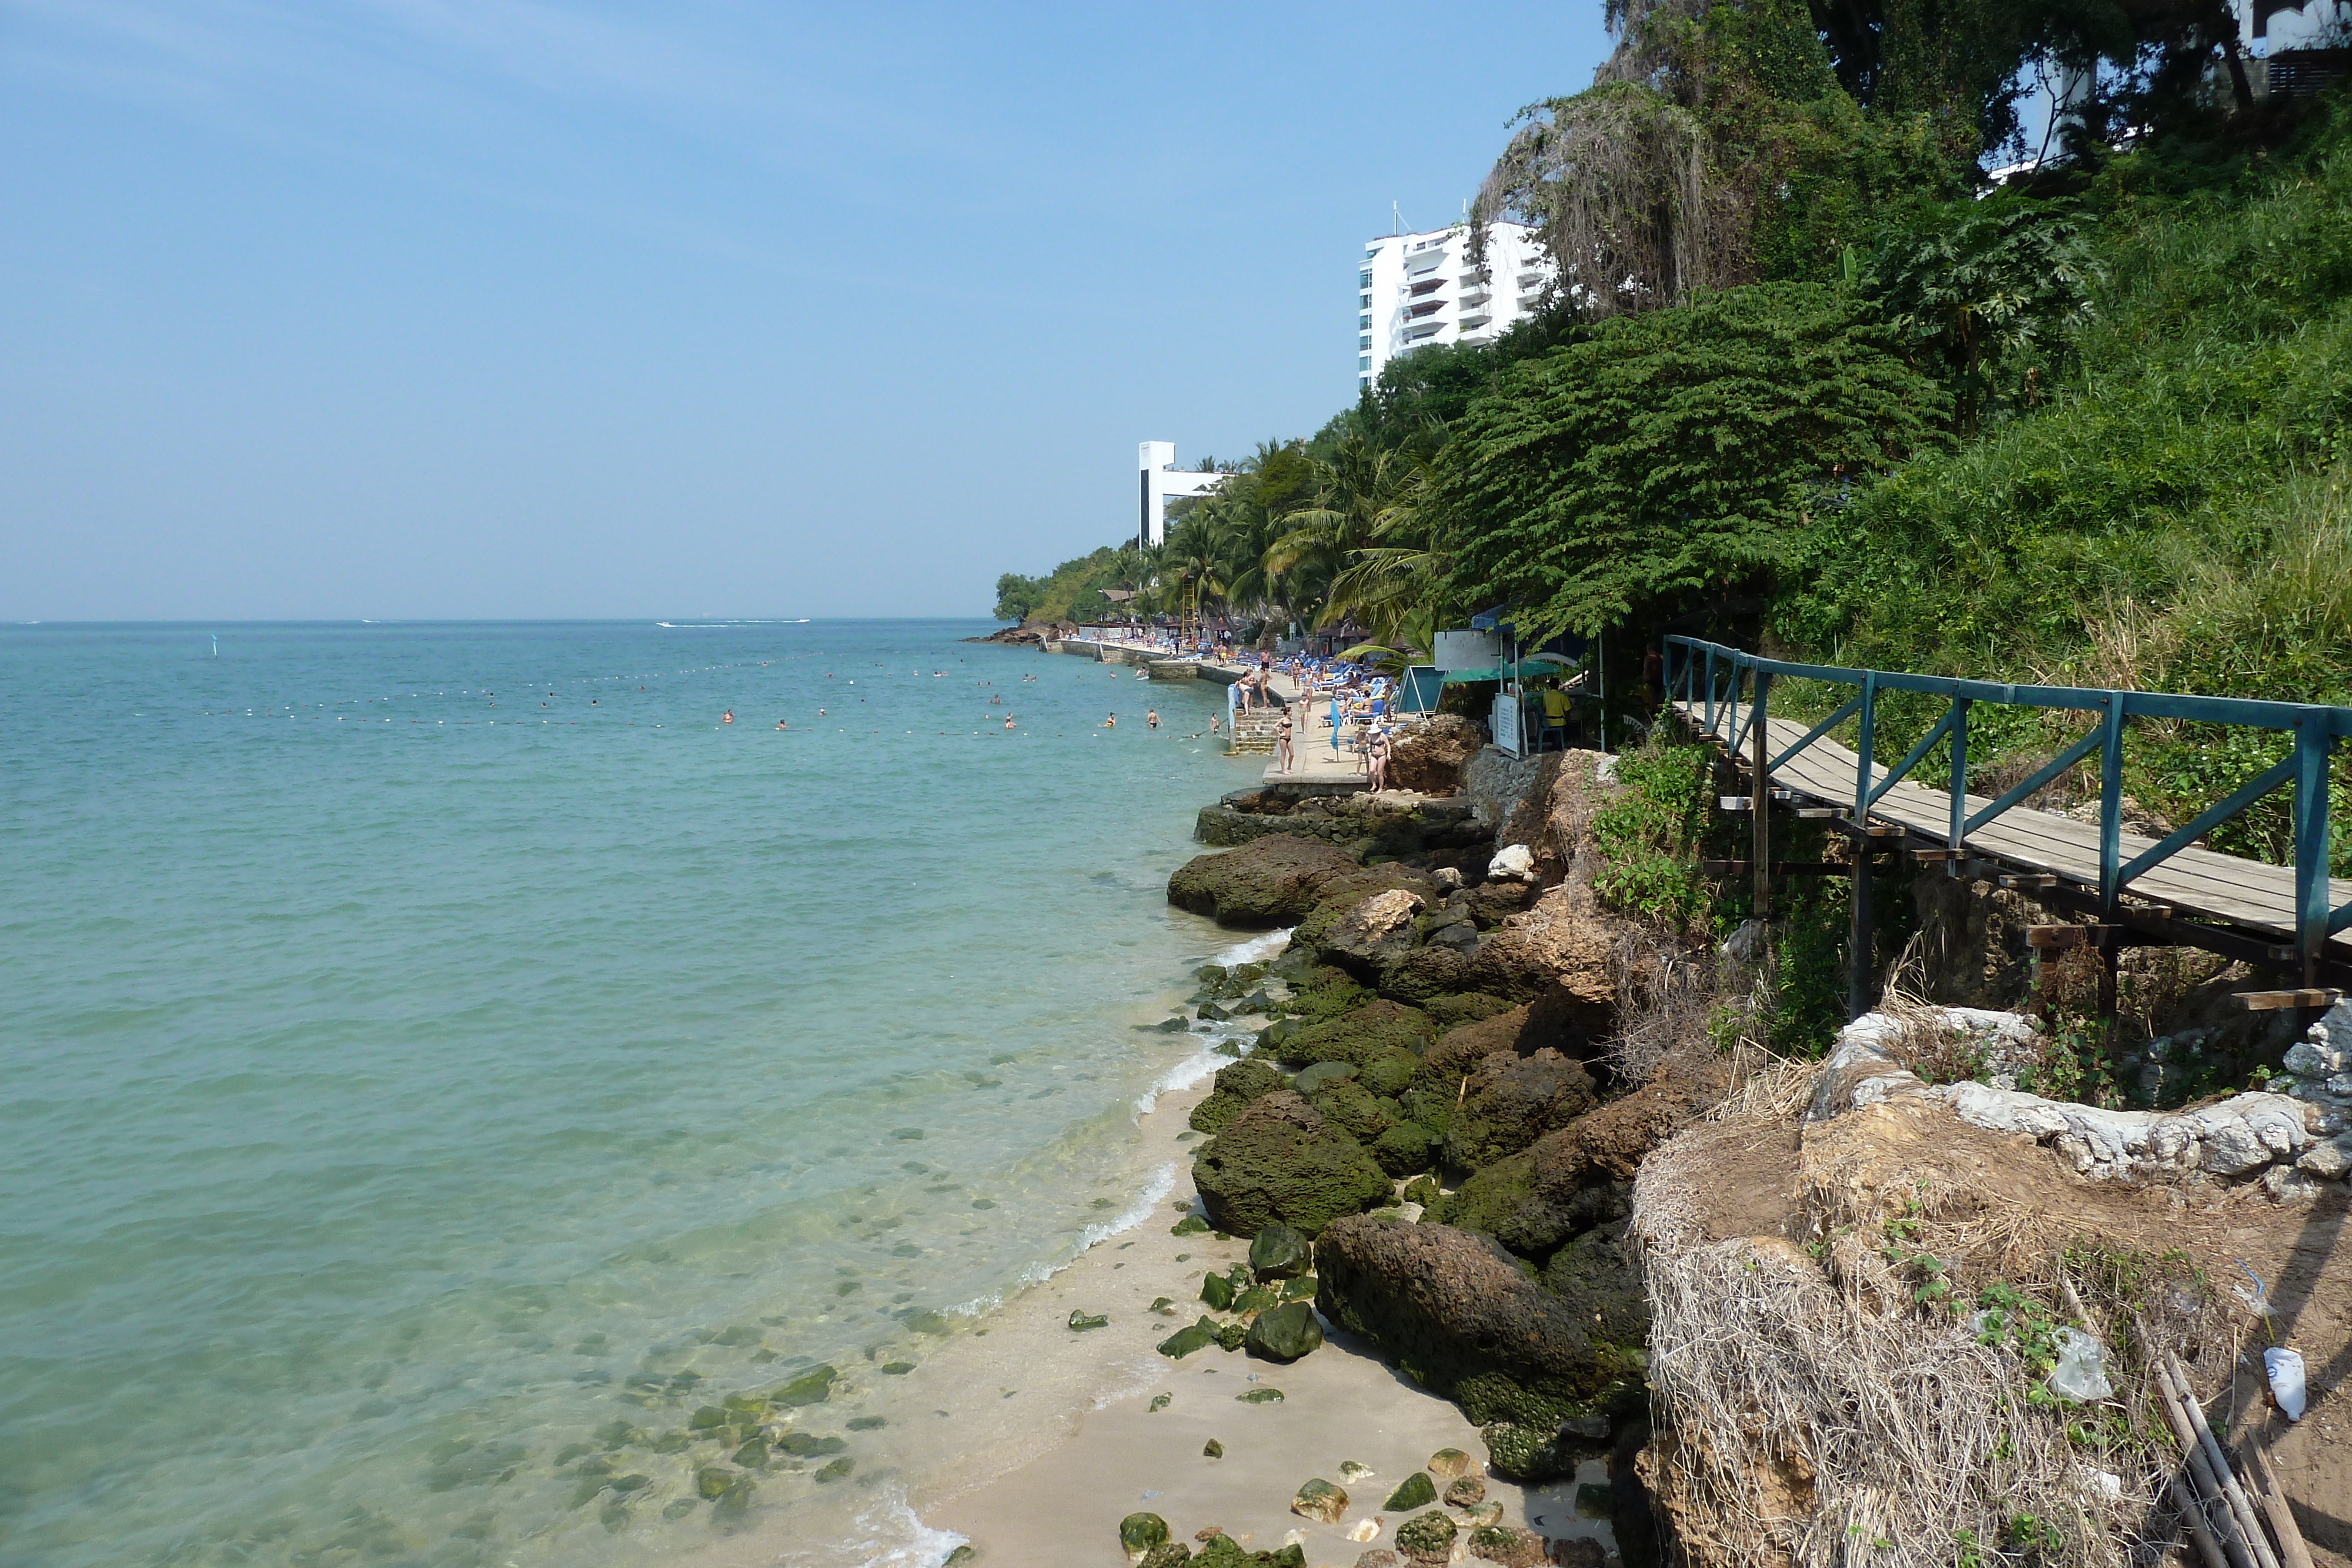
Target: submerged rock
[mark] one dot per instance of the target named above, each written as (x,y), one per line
(1457,1308)
(813,1386)
(1320,1501)
(1283,1160)
(1285,1333)
(1268,882)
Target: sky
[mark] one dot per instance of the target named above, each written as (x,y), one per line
(489,308)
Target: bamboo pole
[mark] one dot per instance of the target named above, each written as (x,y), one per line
(2184,1498)
(2292,1553)
(2203,1484)
(2240,1506)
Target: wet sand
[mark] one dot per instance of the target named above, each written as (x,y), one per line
(1056,1440)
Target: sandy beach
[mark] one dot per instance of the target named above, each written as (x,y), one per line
(1062,1440)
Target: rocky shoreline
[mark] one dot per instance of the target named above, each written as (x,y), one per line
(1514,1133)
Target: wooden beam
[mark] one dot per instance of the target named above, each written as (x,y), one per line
(1779,868)
(2059,937)
(2028,882)
(1937,857)
(2278,1001)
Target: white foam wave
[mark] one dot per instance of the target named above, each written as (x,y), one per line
(1258,949)
(893,1536)
(1162,1182)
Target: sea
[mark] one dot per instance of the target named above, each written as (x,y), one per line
(442,1058)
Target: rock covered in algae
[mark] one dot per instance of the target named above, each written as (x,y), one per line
(1213,1449)
(1448,1463)
(1416,1490)
(1281,1160)
(1280,1251)
(1217,1291)
(1185,1340)
(1139,1533)
(813,1386)
(1168,1555)
(1261,1396)
(1284,1333)
(1508,1545)
(1271,881)
(1527,1453)
(1081,1321)
(1463,1490)
(1320,1501)
(1235,1087)
(1426,1537)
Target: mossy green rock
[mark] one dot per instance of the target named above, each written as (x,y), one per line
(1191,1225)
(1322,1500)
(1167,1554)
(1527,1454)
(1233,1336)
(813,1386)
(837,1470)
(1421,1190)
(1272,881)
(1355,1108)
(712,1479)
(1260,1396)
(1213,1449)
(959,1556)
(1185,1340)
(1510,1101)
(1285,1333)
(1416,1490)
(707,1418)
(1302,1289)
(1139,1533)
(806,1446)
(1278,1252)
(1595,1275)
(1235,1087)
(1467,1007)
(1361,1036)
(1256,1298)
(1281,1160)
(753,1454)
(1314,1080)
(1426,1537)
(1080,1322)
(1406,1148)
(1218,1292)
(1224,1551)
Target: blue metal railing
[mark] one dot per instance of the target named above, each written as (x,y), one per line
(1697,671)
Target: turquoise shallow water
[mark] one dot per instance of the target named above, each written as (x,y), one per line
(427,1043)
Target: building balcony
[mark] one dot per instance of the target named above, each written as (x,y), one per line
(1475,318)
(1422,331)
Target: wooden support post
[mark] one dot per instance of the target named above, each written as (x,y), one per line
(2279,1001)
(1761,783)
(1861,934)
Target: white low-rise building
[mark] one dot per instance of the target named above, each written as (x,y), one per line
(1157,479)
(1420,288)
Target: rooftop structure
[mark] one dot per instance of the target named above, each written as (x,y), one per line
(1157,479)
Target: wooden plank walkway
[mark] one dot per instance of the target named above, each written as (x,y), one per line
(2196,883)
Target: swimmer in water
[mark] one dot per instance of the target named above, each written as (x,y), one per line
(728,717)
(1111,723)
(820,713)
(1008,721)
(782,725)
(1152,717)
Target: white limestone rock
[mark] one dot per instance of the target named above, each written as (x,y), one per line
(2328,1158)
(1514,863)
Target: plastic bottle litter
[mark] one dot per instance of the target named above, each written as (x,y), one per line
(2285,1369)
(2081,1374)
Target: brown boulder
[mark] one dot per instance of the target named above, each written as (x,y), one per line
(1429,756)
(1561,942)
(1457,1310)
(1271,881)
(1572,1179)
(1511,1100)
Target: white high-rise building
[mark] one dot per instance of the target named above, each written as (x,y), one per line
(1414,289)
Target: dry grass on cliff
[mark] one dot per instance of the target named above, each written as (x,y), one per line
(1827,1396)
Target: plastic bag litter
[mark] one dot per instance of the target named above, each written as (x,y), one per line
(2285,1369)
(2081,1374)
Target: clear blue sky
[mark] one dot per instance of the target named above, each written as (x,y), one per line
(525,308)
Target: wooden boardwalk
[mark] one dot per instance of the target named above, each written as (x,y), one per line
(2195,884)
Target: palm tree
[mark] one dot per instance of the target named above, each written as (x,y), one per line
(1364,545)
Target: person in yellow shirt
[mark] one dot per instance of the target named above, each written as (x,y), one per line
(1555,707)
